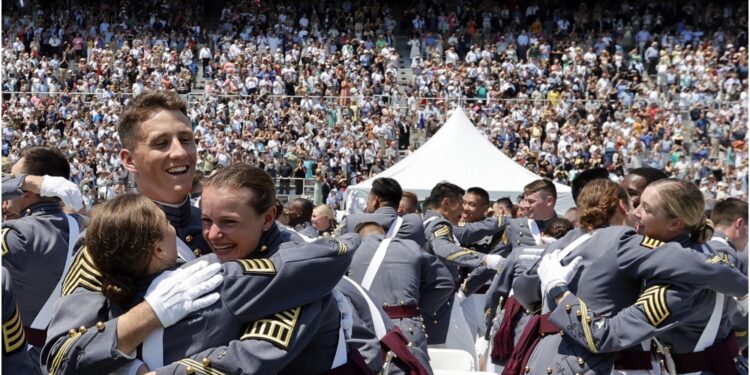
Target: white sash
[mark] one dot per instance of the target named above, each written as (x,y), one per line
(341,350)
(377,258)
(712,328)
(377,319)
(429,220)
(184,252)
(534,229)
(722,240)
(153,345)
(44,316)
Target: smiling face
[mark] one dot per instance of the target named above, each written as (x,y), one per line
(473,208)
(231,226)
(163,160)
(652,220)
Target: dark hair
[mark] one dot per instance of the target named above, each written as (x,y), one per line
(483,195)
(119,238)
(546,185)
(598,201)
(388,190)
(444,190)
(505,201)
(245,176)
(649,174)
(726,211)
(584,178)
(40,161)
(558,228)
(141,108)
(307,209)
(279,208)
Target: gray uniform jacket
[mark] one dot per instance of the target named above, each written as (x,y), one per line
(307,229)
(407,276)
(411,227)
(186,220)
(16,359)
(629,288)
(250,329)
(12,186)
(739,321)
(485,236)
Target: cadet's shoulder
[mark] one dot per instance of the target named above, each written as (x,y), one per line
(407,244)
(415,219)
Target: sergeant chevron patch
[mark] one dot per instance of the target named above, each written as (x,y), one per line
(14,337)
(654,304)
(444,230)
(257,266)
(4,242)
(82,273)
(651,243)
(277,329)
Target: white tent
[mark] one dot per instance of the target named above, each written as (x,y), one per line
(458,153)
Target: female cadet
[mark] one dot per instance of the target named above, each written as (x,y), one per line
(690,331)
(250,329)
(617,262)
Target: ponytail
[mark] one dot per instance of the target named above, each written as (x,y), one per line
(703,231)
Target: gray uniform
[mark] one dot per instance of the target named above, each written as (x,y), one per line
(250,329)
(407,277)
(186,220)
(617,265)
(34,251)
(739,321)
(16,360)
(485,236)
(12,186)
(411,227)
(307,229)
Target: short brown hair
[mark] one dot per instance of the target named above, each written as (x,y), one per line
(119,239)
(411,197)
(726,211)
(245,176)
(598,201)
(544,185)
(40,161)
(141,108)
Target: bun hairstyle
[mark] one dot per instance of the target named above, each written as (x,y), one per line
(598,202)
(682,199)
(119,238)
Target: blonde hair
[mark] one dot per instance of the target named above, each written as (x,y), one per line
(325,210)
(682,199)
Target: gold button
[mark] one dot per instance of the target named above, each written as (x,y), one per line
(206,362)
(263,248)
(82,329)
(434,321)
(735,360)
(567,307)
(385,305)
(527,369)
(72,333)
(578,313)
(588,319)
(580,361)
(197,252)
(188,238)
(189,370)
(402,302)
(543,334)
(562,333)
(549,370)
(100,326)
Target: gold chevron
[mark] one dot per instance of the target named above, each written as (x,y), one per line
(718,259)
(199,368)
(651,243)
(257,266)
(586,327)
(654,304)
(444,230)
(460,254)
(342,248)
(4,234)
(277,329)
(82,273)
(13,334)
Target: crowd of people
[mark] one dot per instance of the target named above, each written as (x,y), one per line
(559,90)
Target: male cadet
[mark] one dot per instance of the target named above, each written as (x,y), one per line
(730,228)
(524,236)
(401,278)
(300,217)
(409,204)
(636,181)
(382,205)
(445,206)
(159,149)
(503,207)
(37,247)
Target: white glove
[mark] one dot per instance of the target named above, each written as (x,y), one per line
(345,308)
(552,272)
(481,346)
(529,255)
(494,261)
(460,297)
(62,188)
(742,305)
(174,295)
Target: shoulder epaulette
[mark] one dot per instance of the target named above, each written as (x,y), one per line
(14,337)
(277,329)
(651,243)
(82,273)
(257,266)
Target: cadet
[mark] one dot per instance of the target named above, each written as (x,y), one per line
(16,359)
(382,204)
(401,278)
(445,205)
(159,151)
(250,330)
(639,287)
(300,217)
(638,179)
(37,248)
(45,186)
